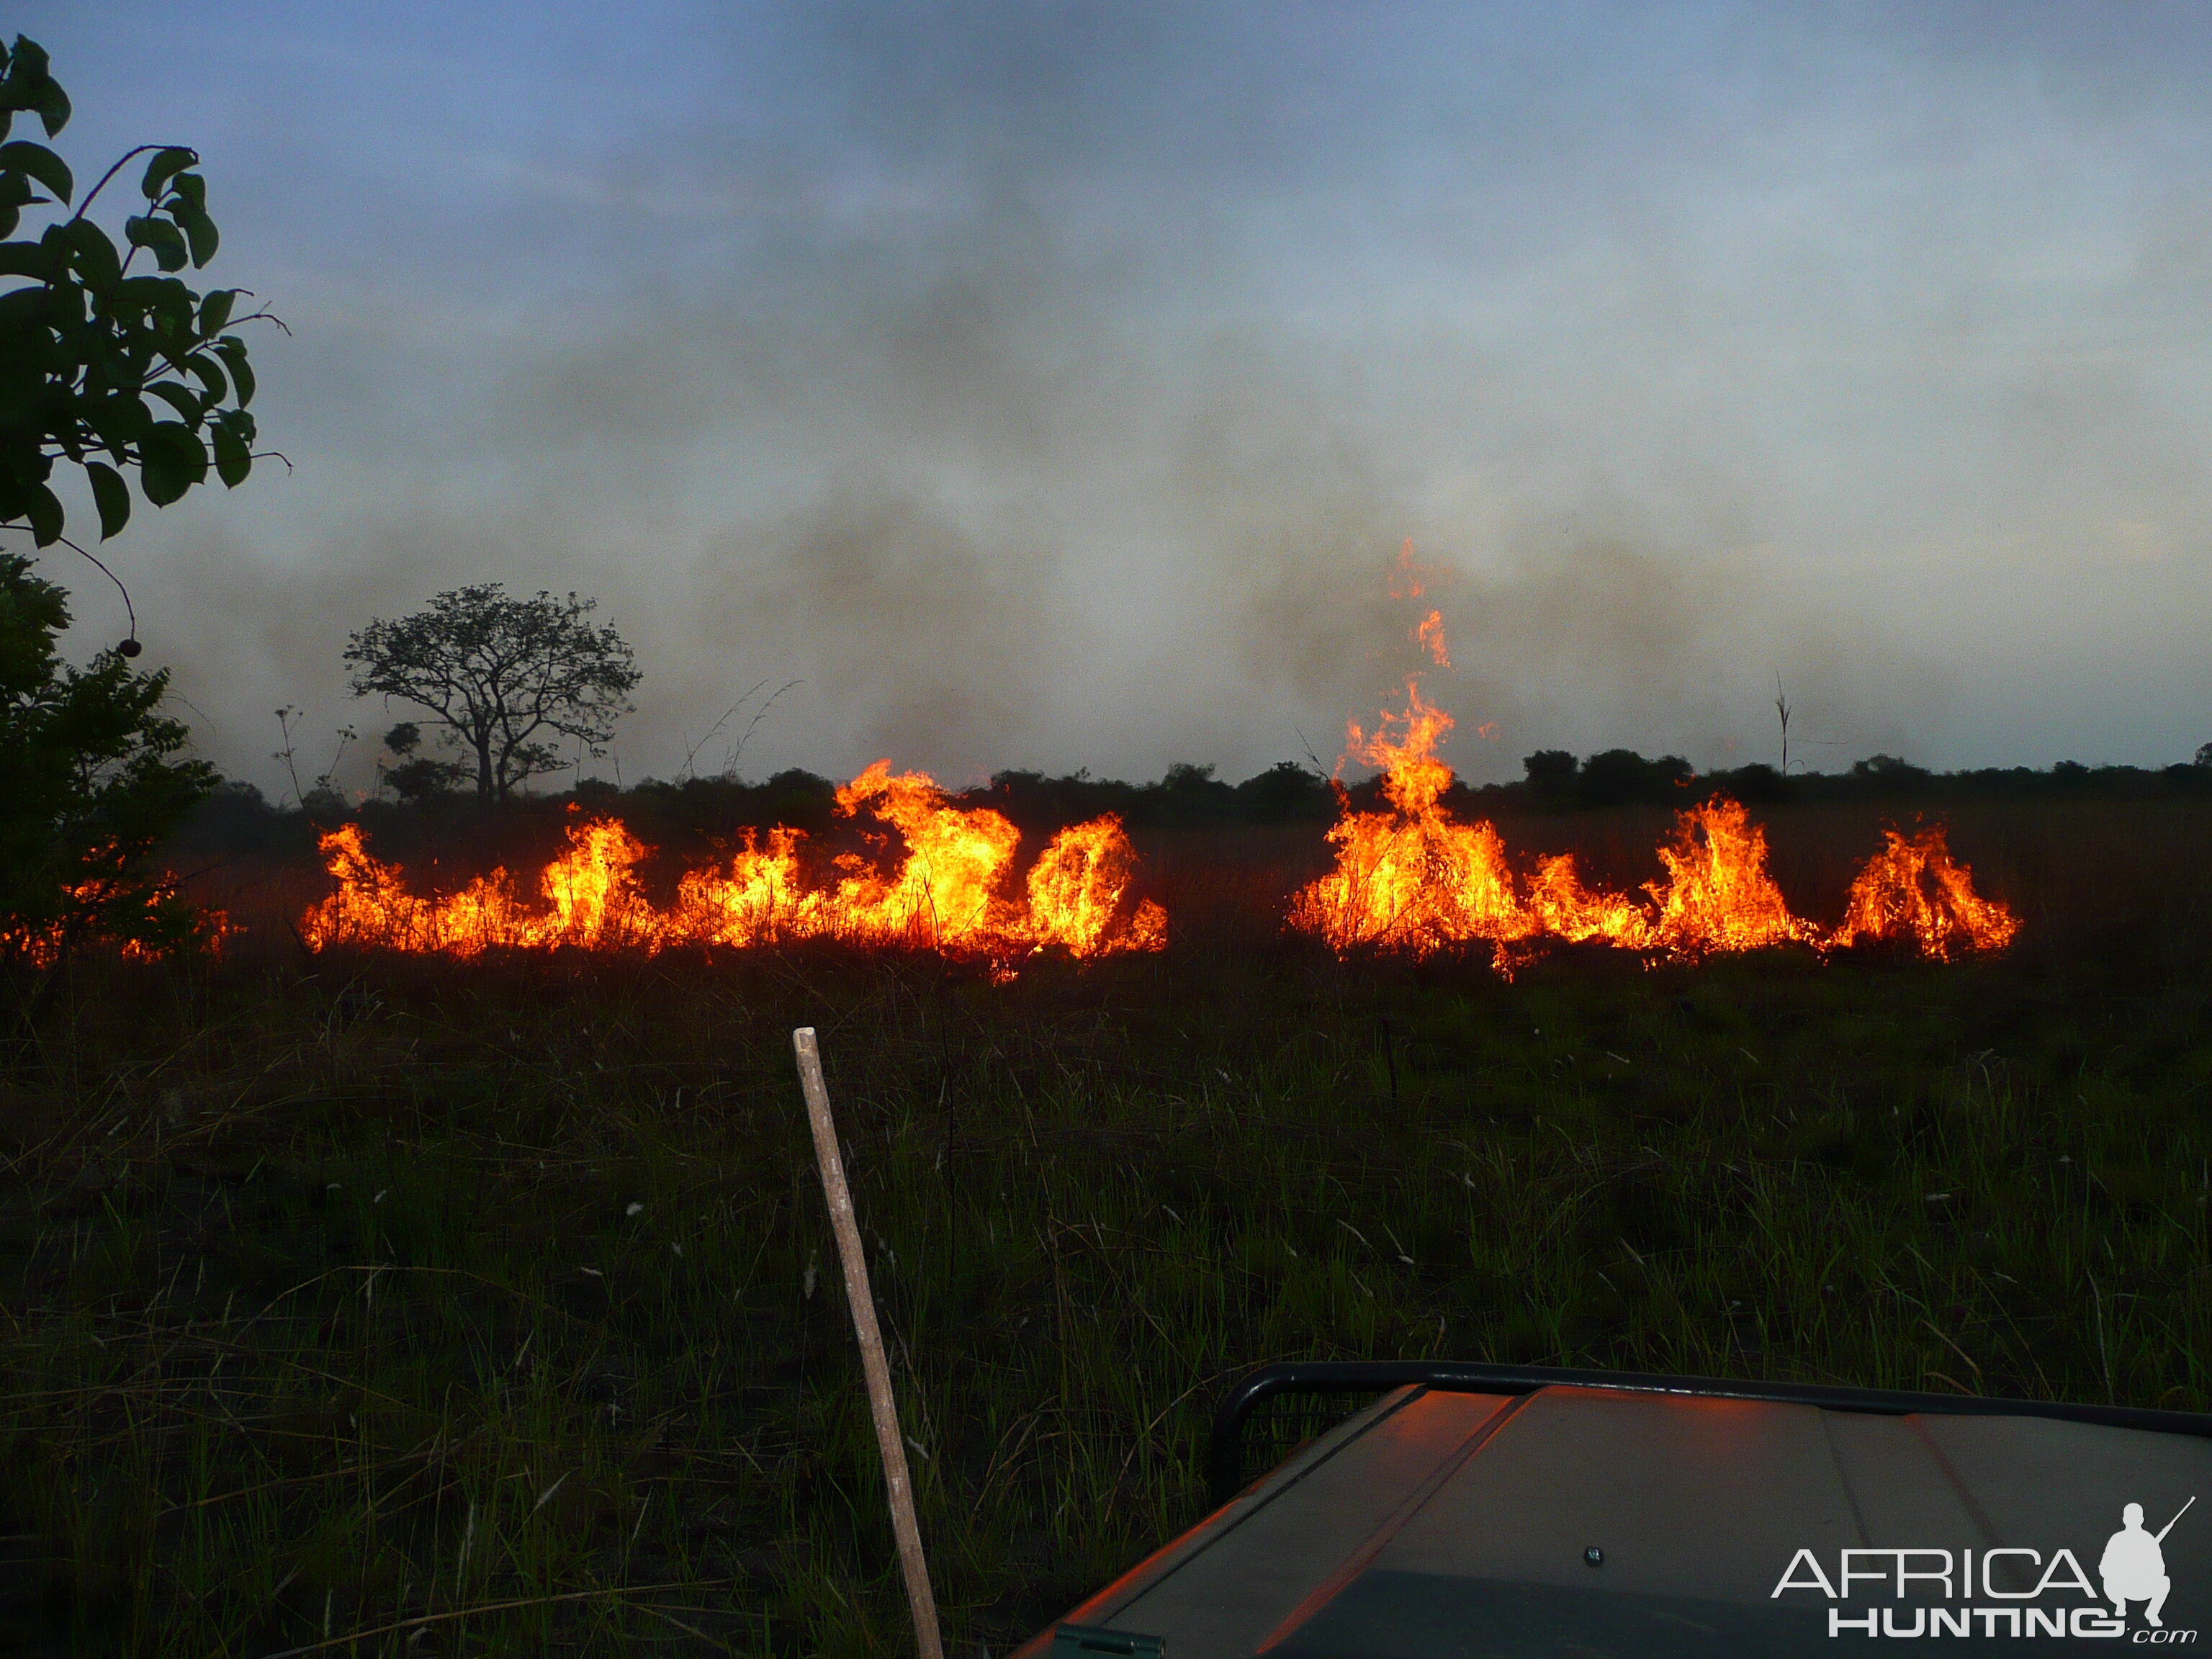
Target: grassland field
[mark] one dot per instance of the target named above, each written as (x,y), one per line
(342,1292)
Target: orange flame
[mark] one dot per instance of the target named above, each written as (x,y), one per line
(1412,878)
(1407,578)
(1075,894)
(1912,892)
(945,890)
(82,923)
(1718,896)
(1430,631)
(1561,906)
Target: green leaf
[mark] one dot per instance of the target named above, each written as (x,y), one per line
(201,231)
(89,251)
(43,510)
(161,482)
(32,259)
(156,293)
(162,237)
(166,165)
(30,85)
(210,375)
(232,350)
(53,108)
(23,307)
(233,458)
(215,309)
(41,163)
(119,418)
(111,496)
(172,460)
(182,399)
(177,444)
(193,188)
(28,67)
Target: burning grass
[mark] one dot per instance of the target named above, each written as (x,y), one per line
(351,1289)
(1409,879)
(944,891)
(1412,879)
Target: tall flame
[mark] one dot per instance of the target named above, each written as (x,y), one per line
(1717,895)
(1413,878)
(945,890)
(1911,891)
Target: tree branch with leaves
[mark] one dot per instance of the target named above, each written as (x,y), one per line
(91,780)
(91,345)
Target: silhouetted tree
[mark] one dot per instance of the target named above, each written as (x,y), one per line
(1286,791)
(91,786)
(419,778)
(1618,777)
(1551,774)
(501,677)
(1615,777)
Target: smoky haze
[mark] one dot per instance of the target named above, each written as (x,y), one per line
(1054,385)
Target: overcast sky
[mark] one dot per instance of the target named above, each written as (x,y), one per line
(1052,385)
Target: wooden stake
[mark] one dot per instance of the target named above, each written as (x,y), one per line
(846,1226)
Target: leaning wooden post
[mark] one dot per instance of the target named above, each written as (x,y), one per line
(872,1361)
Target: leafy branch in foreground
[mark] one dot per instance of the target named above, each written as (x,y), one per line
(88,348)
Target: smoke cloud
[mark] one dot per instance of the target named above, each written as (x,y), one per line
(1054,387)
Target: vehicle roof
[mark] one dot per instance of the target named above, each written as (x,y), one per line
(1444,1522)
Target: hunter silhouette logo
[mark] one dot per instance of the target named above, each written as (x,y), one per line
(2134,1566)
(2007,1590)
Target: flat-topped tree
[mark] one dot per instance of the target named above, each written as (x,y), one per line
(121,372)
(502,677)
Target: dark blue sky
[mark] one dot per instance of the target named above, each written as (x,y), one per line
(1050,385)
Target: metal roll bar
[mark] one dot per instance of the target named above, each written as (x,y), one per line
(1226,1456)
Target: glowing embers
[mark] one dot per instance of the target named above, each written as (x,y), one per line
(1412,878)
(140,919)
(945,890)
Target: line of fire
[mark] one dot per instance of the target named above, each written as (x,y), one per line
(1408,879)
